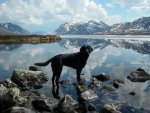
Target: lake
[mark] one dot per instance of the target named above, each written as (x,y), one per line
(116,56)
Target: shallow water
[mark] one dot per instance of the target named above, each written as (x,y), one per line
(117,57)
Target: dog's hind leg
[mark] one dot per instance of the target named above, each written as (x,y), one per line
(56,72)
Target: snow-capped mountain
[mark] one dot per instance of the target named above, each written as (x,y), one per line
(139,26)
(81,28)
(12,29)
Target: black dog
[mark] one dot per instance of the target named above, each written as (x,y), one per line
(75,60)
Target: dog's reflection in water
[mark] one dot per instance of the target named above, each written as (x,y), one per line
(55,92)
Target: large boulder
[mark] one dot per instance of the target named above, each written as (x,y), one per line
(139,76)
(26,78)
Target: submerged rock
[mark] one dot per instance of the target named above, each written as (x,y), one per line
(102,77)
(64,82)
(139,76)
(120,81)
(95,83)
(109,109)
(34,68)
(91,107)
(108,88)
(132,93)
(26,78)
(68,104)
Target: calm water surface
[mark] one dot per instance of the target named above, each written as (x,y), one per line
(116,57)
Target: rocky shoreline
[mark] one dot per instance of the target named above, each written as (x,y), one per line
(17,94)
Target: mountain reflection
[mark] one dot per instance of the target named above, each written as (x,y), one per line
(139,46)
(9,47)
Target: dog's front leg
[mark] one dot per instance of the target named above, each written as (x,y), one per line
(78,74)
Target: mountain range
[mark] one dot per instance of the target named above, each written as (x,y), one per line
(139,26)
(81,28)
(12,29)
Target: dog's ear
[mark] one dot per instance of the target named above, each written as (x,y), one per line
(83,49)
(90,48)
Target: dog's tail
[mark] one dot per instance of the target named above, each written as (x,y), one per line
(43,63)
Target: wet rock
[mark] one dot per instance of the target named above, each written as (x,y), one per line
(108,88)
(45,104)
(8,83)
(109,109)
(88,95)
(68,104)
(64,82)
(102,77)
(116,84)
(120,81)
(132,93)
(34,68)
(95,83)
(8,97)
(17,109)
(139,76)
(81,88)
(91,107)
(26,78)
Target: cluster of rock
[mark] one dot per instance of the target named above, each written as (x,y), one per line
(17,96)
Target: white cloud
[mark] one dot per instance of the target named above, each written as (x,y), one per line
(40,12)
(123,3)
(142,8)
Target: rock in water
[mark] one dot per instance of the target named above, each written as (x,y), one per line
(91,107)
(109,109)
(132,93)
(88,95)
(108,88)
(26,78)
(139,76)
(45,104)
(34,68)
(68,104)
(102,77)
(18,110)
(8,83)
(8,97)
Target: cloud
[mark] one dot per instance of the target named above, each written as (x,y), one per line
(142,8)
(124,3)
(39,12)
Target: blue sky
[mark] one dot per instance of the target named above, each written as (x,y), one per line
(47,15)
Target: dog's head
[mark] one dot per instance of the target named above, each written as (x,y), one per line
(86,49)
